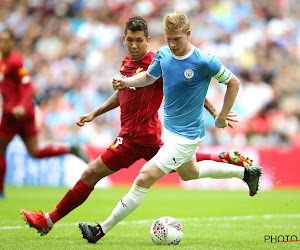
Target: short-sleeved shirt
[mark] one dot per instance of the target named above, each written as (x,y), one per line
(16,89)
(140,125)
(139,106)
(185,84)
(15,84)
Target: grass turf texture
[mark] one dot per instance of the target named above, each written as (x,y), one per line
(210,219)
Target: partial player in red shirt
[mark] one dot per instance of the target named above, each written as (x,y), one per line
(18,108)
(140,135)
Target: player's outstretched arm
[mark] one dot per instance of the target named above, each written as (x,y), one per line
(215,112)
(111,103)
(232,90)
(139,80)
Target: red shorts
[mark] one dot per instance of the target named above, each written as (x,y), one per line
(10,126)
(127,153)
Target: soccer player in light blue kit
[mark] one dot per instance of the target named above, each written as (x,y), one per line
(186,72)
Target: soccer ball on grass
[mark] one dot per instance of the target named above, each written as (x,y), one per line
(166,231)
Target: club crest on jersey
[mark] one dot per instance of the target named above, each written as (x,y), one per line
(189,73)
(138,71)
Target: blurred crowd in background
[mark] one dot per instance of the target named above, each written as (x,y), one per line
(73,49)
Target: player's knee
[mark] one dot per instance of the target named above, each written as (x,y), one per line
(94,172)
(32,153)
(91,171)
(185,178)
(188,176)
(89,176)
(143,180)
(88,172)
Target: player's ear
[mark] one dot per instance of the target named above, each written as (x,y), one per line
(124,39)
(148,39)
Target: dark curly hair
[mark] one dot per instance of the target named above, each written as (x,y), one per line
(136,23)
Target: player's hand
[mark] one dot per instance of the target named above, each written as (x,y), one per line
(221,123)
(18,111)
(230,118)
(118,83)
(85,118)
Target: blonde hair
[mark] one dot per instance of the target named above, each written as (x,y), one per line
(176,21)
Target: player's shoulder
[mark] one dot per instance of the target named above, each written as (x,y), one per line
(126,59)
(203,55)
(206,59)
(15,57)
(164,50)
(148,57)
(150,54)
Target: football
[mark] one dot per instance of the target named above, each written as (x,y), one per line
(166,231)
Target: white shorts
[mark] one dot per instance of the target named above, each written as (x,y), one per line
(175,151)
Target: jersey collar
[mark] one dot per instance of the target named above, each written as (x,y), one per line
(187,55)
(141,57)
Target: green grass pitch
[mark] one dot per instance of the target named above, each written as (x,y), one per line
(210,219)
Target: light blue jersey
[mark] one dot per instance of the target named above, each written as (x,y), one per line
(186,80)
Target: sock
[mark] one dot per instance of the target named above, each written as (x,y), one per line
(219,170)
(49,221)
(74,198)
(125,206)
(2,171)
(203,156)
(52,150)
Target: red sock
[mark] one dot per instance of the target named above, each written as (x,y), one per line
(2,171)
(212,157)
(52,150)
(74,198)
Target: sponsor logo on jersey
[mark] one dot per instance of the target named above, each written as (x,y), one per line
(189,73)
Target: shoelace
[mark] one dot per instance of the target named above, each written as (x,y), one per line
(39,212)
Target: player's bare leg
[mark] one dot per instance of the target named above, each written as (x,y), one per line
(3,145)
(188,170)
(95,172)
(52,150)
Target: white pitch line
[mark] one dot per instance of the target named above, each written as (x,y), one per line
(247,217)
(204,219)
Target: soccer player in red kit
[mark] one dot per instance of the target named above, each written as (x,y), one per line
(18,108)
(140,135)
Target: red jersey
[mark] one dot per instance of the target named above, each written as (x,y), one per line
(139,106)
(15,84)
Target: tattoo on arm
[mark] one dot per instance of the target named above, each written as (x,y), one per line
(210,108)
